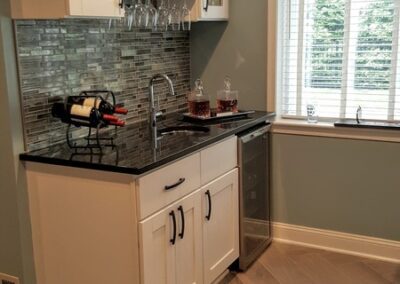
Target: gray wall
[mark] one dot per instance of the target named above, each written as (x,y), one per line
(15,242)
(337,184)
(10,256)
(236,48)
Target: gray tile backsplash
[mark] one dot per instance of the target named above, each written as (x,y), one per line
(62,57)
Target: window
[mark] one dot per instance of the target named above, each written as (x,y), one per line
(341,54)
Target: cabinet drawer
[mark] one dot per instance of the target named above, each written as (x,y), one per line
(168,184)
(218,159)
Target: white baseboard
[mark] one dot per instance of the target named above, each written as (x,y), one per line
(358,245)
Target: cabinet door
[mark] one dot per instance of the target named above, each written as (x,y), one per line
(95,8)
(220,225)
(56,9)
(214,10)
(189,245)
(157,253)
(178,262)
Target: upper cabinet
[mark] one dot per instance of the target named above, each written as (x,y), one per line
(213,10)
(207,10)
(201,10)
(55,9)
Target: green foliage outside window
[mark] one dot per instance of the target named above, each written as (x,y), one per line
(327,46)
(374,46)
(373,49)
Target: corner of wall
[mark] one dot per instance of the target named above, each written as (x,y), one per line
(16,248)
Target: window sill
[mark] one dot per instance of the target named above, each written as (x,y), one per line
(327,129)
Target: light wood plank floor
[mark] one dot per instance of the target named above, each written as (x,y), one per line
(289,264)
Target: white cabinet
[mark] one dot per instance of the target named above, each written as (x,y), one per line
(209,216)
(84,228)
(55,9)
(96,8)
(213,10)
(220,225)
(201,10)
(170,244)
(124,229)
(207,10)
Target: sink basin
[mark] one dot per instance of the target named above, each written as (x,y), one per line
(183,129)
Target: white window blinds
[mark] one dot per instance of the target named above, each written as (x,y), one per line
(339,54)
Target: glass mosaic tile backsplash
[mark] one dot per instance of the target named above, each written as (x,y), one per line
(59,58)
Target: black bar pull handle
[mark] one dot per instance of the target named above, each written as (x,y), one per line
(172,214)
(208,194)
(182,233)
(206,6)
(178,183)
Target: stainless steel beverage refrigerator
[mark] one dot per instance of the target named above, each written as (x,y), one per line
(254,194)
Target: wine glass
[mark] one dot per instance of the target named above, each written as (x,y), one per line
(129,16)
(140,14)
(163,16)
(186,17)
(151,14)
(175,17)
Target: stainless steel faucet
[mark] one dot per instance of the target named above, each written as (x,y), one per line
(154,112)
(358,114)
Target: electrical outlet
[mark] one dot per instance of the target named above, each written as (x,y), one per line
(8,279)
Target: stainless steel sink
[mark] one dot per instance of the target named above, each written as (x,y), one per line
(183,129)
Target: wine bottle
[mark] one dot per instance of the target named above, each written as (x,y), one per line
(119,122)
(79,115)
(98,102)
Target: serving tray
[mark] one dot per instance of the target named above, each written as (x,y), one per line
(217,116)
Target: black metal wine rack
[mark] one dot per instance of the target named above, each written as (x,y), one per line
(93,140)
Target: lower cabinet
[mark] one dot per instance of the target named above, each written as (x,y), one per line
(220,225)
(84,226)
(195,239)
(178,224)
(171,244)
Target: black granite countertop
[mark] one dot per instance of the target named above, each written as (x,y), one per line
(134,152)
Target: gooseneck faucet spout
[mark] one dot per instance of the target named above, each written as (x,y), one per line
(154,112)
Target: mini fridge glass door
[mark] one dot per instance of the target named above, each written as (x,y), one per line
(255,228)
